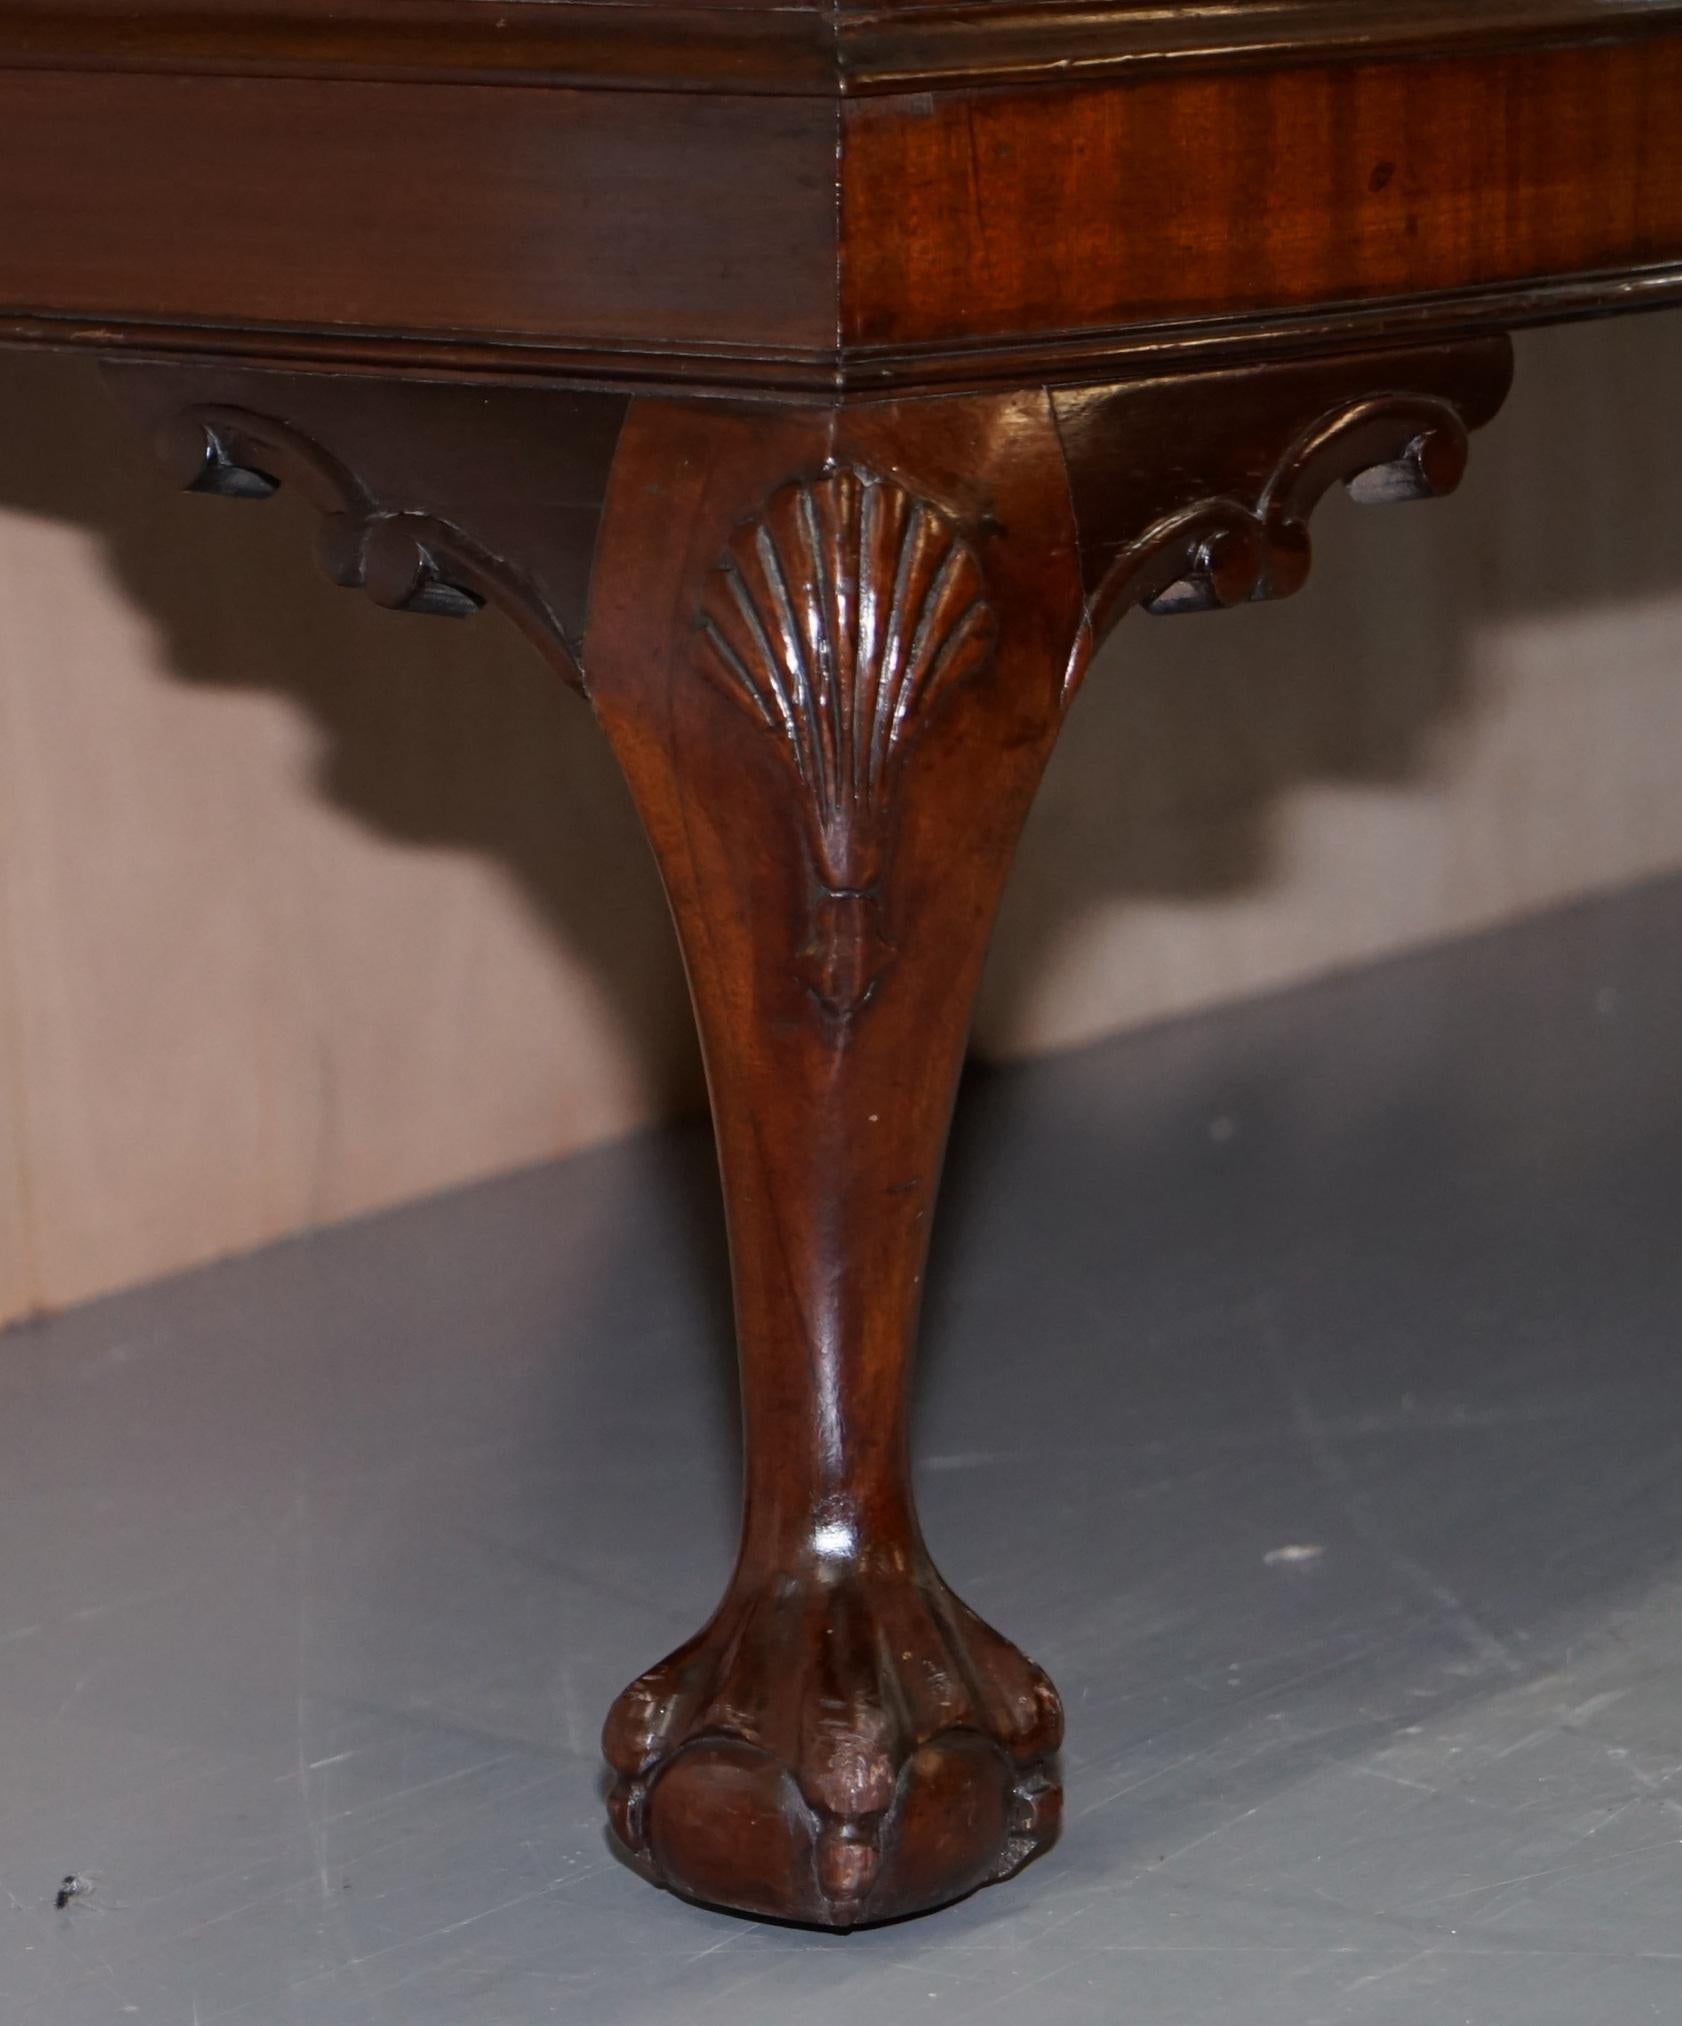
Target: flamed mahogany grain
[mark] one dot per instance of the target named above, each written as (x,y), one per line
(1184,197)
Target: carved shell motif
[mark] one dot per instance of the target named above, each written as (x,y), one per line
(843,615)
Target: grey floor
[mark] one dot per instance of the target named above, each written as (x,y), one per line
(1347,1513)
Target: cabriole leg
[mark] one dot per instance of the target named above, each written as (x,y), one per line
(831,646)
(831,657)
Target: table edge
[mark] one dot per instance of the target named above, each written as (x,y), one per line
(794,50)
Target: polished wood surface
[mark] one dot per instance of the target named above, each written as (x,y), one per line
(832,632)
(1045,212)
(785,47)
(284,174)
(385,208)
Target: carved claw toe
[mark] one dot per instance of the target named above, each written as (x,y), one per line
(842,1750)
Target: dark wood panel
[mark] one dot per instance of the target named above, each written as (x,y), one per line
(990,235)
(978,214)
(767,46)
(516,212)
(745,46)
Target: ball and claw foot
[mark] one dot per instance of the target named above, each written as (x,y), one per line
(836,1749)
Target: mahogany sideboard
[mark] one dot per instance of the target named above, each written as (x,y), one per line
(816,385)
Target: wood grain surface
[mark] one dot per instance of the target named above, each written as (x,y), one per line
(1052,211)
(1338,179)
(766,45)
(227,201)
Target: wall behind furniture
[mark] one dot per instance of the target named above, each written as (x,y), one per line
(306,909)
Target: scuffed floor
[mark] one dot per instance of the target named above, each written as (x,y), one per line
(1304,1389)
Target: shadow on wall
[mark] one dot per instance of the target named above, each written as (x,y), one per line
(437,734)
(1178,756)
(1181,777)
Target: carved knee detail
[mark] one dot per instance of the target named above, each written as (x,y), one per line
(842,617)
